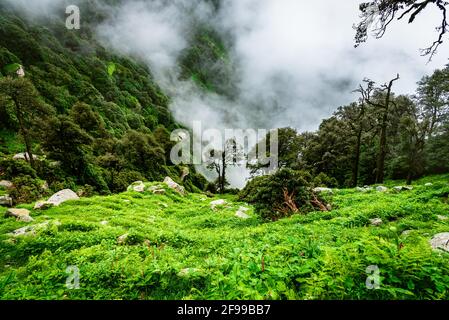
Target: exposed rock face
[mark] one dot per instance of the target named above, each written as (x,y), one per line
(376,222)
(440,241)
(20,214)
(62,196)
(6,200)
(382,189)
(174,186)
(6,184)
(241,213)
(323,190)
(218,203)
(137,186)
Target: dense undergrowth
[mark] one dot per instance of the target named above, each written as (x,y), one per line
(179,248)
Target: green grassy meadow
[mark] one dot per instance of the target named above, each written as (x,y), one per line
(179,248)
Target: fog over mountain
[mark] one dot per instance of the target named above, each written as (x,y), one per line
(295,60)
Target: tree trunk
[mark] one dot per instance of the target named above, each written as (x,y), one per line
(29,153)
(380,173)
(223,173)
(355,170)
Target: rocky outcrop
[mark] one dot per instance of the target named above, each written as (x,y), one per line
(174,186)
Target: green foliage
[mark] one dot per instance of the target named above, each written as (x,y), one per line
(179,248)
(268,193)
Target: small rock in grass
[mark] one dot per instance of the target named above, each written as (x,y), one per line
(406,233)
(376,222)
(187,271)
(382,189)
(62,196)
(127,201)
(241,213)
(218,203)
(20,214)
(137,186)
(42,205)
(6,200)
(323,190)
(174,186)
(440,241)
(429,184)
(104,223)
(442,218)
(122,239)
(6,184)
(398,189)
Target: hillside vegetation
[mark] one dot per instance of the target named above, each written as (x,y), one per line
(179,248)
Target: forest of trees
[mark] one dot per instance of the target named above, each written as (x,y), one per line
(380,136)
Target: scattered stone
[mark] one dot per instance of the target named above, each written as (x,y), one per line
(187,271)
(398,189)
(42,205)
(406,233)
(31,230)
(24,156)
(381,189)
(62,196)
(408,188)
(6,200)
(20,214)
(137,186)
(174,186)
(376,222)
(440,241)
(20,72)
(185,173)
(241,213)
(429,184)
(104,223)
(6,184)
(323,190)
(122,239)
(157,190)
(164,205)
(217,203)
(359,189)
(442,218)
(329,207)
(127,201)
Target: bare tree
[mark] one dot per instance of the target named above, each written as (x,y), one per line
(384,108)
(377,15)
(231,155)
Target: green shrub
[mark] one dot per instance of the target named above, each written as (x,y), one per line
(281,194)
